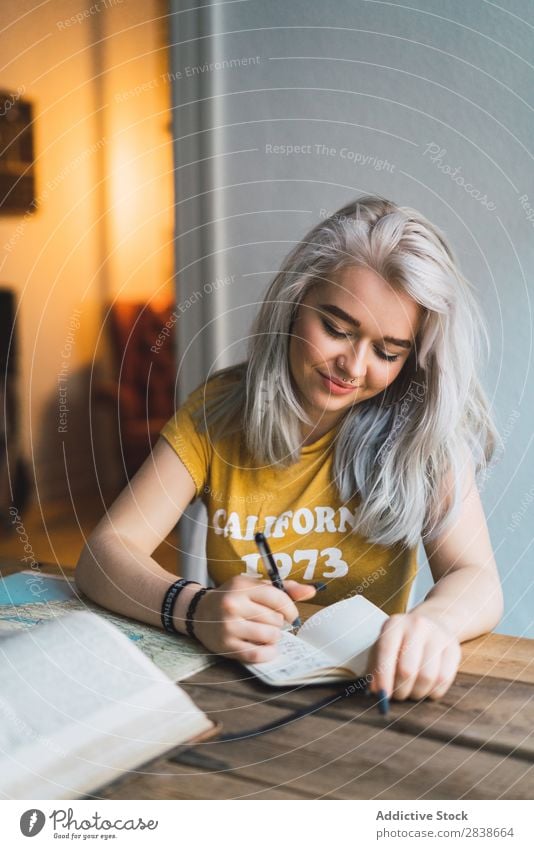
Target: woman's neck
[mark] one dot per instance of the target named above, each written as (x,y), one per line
(311,433)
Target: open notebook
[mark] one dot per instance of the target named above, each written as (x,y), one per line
(79,704)
(332,645)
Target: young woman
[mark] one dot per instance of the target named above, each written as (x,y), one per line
(356,427)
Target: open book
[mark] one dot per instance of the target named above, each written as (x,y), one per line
(79,704)
(332,645)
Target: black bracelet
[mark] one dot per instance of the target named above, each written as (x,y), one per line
(191,609)
(169,600)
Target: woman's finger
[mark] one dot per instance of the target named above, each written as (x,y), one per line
(255,632)
(266,615)
(450,660)
(429,669)
(264,593)
(247,652)
(381,669)
(408,663)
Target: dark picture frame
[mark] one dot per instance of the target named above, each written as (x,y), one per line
(17,177)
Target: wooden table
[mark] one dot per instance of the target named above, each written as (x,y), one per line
(475,743)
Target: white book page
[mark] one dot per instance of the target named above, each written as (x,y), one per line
(77,684)
(345,631)
(67,766)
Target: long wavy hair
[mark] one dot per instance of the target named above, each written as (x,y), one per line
(400,450)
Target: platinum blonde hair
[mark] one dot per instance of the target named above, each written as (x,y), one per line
(404,451)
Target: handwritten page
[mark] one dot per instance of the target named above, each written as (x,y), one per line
(295,659)
(330,645)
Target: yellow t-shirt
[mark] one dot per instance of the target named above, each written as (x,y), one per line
(298,510)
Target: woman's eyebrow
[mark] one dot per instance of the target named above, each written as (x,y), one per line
(344,316)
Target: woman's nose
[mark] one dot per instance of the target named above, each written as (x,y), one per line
(354,360)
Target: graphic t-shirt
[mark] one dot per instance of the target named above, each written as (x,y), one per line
(308,528)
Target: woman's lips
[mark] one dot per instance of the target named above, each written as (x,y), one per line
(336,388)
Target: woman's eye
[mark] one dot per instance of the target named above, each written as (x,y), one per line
(338,335)
(332,330)
(390,358)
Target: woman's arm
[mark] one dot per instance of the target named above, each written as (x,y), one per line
(418,653)
(115,568)
(467,596)
(242,619)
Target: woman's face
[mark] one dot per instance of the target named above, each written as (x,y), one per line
(355,326)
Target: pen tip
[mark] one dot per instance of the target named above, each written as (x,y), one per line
(259,537)
(297,623)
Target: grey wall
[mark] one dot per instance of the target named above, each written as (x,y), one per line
(430,106)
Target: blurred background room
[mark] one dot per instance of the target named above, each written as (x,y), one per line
(87,276)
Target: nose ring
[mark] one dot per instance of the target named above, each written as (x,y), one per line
(344,379)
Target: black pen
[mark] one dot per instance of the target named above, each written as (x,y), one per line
(272,568)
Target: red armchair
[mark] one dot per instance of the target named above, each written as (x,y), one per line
(142,391)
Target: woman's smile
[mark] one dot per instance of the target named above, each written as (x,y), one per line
(336,387)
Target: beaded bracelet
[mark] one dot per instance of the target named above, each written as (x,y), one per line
(191,609)
(169,600)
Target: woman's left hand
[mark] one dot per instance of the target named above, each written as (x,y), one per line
(414,657)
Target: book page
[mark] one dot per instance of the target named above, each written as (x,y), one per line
(295,659)
(76,684)
(345,631)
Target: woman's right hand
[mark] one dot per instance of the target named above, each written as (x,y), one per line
(242,619)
